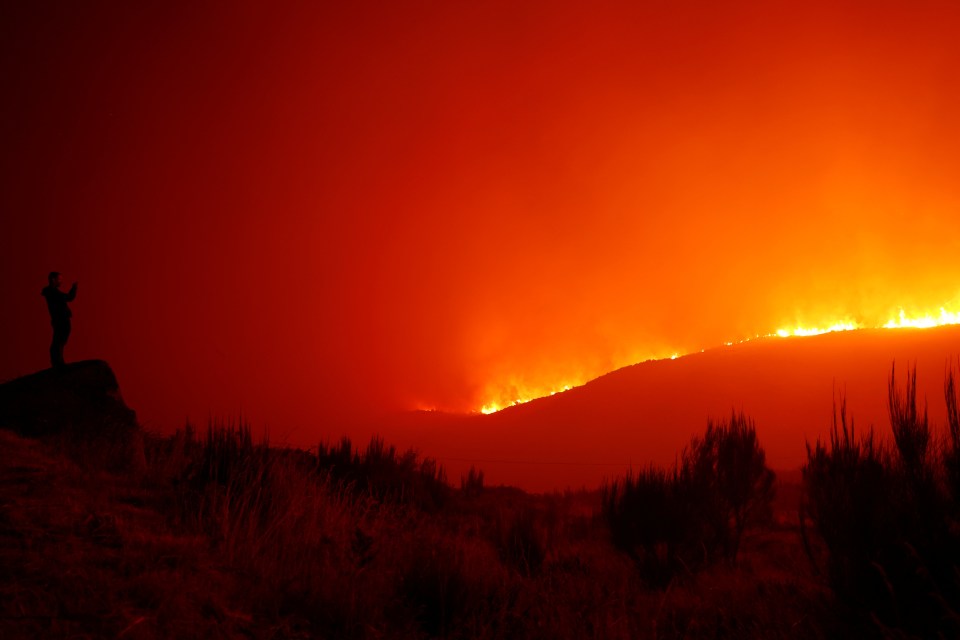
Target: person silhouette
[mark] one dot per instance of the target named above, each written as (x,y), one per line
(59,315)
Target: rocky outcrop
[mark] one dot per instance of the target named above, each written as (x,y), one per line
(82,397)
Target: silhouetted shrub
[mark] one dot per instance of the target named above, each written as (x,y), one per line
(436,588)
(228,482)
(449,584)
(668,519)
(227,452)
(911,429)
(729,467)
(471,485)
(884,517)
(385,474)
(951,449)
(169,457)
(650,520)
(521,539)
(847,482)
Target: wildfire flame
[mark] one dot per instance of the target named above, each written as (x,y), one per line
(493,407)
(924,322)
(816,331)
(902,320)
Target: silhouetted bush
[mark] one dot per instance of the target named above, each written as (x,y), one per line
(437,588)
(169,457)
(227,452)
(884,516)
(911,430)
(471,485)
(521,539)
(730,468)
(450,584)
(228,481)
(668,519)
(385,474)
(951,448)
(650,519)
(847,482)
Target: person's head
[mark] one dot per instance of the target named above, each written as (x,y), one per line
(54,279)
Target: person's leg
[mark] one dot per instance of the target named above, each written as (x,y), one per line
(61,331)
(54,349)
(63,343)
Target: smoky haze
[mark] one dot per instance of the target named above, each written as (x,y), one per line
(306,215)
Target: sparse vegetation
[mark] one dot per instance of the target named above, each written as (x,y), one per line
(222,535)
(225,536)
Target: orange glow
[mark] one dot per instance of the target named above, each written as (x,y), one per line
(318,214)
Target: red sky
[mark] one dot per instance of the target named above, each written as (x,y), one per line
(311,213)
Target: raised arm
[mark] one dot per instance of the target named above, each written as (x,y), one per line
(72,293)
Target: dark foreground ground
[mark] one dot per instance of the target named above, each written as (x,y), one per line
(130,553)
